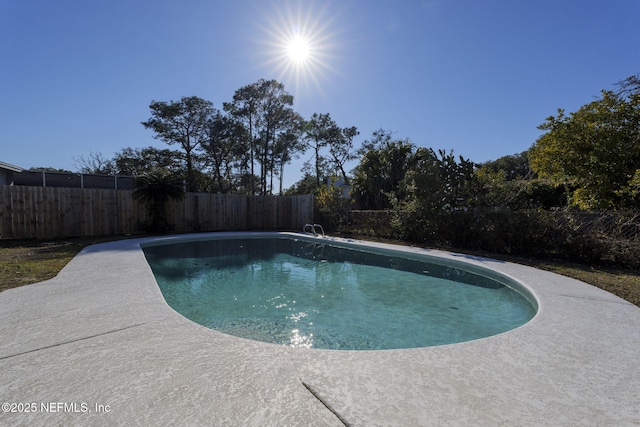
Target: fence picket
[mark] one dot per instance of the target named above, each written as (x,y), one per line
(37,212)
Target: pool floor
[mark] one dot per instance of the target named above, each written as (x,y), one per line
(100,334)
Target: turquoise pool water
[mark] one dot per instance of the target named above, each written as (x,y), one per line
(302,293)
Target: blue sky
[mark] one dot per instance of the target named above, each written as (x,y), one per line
(473,76)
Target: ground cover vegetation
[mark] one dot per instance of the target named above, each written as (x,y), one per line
(23,262)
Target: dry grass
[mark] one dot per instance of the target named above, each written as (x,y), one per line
(23,262)
(622,282)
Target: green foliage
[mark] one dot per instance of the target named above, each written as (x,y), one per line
(156,188)
(244,110)
(332,206)
(137,161)
(220,149)
(437,183)
(596,149)
(341,150)
(321,131)
(495,190)
(271,128)
(48,169)
(184,123)
(289,145)
(416,182)
(631,193)
(516,204)
(223,146)
(382,169)
(306,185)
(511,167)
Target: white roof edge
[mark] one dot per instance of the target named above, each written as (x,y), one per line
(10,167)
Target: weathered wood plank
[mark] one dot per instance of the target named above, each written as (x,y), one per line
(5,212)
(50,212)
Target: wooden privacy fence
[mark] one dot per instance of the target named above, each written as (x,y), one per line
(48,212)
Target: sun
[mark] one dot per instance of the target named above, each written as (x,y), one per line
(300,46)
(298,50)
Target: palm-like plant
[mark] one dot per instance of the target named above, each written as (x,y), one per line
(155,188)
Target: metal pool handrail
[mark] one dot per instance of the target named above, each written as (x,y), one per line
(312,229)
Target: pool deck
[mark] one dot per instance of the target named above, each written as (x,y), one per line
(98,345)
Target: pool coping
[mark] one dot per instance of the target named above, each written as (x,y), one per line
(100,335)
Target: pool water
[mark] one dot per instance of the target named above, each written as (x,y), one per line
(302,293)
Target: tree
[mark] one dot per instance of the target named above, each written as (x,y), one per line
(509,182)
(155,188)
(265,109)
(288,145)
(322,131)
(596,149)
(136,161)
(223,146)
(319,130)
(244,109)
(306,185)
(275,116)
(48,169)
(513,167)
(95,163)
(341,149)
(438,189)
(629,86)
(437,181)
(182,122)
(384,163)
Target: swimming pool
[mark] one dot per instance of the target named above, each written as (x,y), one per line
(301,291)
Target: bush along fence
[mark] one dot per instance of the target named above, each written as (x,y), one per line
(50,212)
(591,237)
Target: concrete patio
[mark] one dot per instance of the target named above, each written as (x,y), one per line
(98,345)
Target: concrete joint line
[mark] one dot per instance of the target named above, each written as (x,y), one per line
(597,299)
(70,342)
(326,405)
